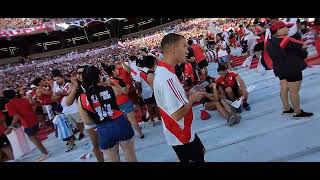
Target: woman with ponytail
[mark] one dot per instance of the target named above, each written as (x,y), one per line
(98,107)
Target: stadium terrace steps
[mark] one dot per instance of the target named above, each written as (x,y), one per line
(263,128)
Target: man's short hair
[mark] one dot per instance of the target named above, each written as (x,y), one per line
(9,93)
(56,73)
(37,81)
(190,42)
(170,39)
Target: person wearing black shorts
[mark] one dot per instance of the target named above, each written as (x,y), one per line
(288,56)
(203,64)
(193,151)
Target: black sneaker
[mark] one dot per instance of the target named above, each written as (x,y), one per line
(142,137)
(303,114)
(246,106)
(81,136)
(239,109)
(75,131)
(144,119)
(289,111)
(70,148)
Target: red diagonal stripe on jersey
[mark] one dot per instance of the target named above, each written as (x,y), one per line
(184,135)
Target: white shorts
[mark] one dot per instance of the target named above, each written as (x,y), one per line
(74,118)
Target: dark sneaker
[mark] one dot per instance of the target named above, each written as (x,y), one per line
(75,131)
(238,110)
(81,136)
(289,111)
(144,119)
(246,106)
(142,137)
(232,120)
(303,115)
(70,148)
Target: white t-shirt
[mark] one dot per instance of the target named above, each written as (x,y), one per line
(147,91)
(170,96)
(221,52)
(66,109)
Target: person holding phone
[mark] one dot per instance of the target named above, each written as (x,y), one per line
(175,107)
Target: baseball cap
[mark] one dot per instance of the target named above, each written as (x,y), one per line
(278,25)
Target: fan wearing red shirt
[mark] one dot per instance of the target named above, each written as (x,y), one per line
(6,152)
(200,59)
(21,111)
(228,86)
(44,95)
(123,100)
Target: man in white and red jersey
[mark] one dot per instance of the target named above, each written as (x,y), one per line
(175,107)
(61,89)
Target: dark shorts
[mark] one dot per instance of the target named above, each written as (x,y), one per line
(4,141)
(39,110)
(192,151)
(294,78)
(259,47)
(127,107)
(32,131)
(203,64)
(113,131)
(235,90)
(69,138)
(151,100)
(189,81)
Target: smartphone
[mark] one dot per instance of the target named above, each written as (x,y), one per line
(201,86)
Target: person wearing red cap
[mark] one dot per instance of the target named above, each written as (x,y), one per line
(288,56)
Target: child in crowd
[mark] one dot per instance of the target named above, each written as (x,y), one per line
(64,128)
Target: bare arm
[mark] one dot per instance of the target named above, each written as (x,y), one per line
(126,67)
(44,91)
(16,119)
(71,97)
(126,89)
(241,82)
(84,115)
(181,112)
(150,79)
